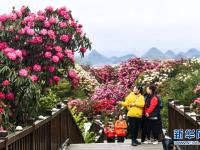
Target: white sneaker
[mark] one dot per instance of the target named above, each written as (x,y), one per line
(155,142)
(147,142)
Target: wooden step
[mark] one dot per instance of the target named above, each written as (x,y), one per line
(114,146)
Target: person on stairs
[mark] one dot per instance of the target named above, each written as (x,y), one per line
(110,133)
(134,102)
(152,113)
(120,129)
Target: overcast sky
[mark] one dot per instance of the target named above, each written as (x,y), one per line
(119,27)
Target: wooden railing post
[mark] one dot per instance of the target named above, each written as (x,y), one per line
(33,138)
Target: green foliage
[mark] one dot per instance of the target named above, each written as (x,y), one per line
(81,120)
(47,101)
(180,86)
(89,137)
(63,90)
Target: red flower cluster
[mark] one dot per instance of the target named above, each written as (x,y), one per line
(104,106)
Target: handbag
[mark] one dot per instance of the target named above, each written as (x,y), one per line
(168,143)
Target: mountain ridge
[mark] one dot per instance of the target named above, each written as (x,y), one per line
(95,58)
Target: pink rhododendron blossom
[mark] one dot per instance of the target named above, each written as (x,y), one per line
(51,34)
(1,112)
(47,24)
(18,53)
(5,83)
(55,59)
(23,9)
(197,89)
(30,32)
(3,18)
(43,32)
(7,50)
(56,78)
(197,100)
(62,24)
(65,38)
(50,81)
(51,69)
(52,20)
(21,31)
(47,54)
(12,16)
(2,95)
(33,78)
(72,74)
(10,96)
(37,67)
(58,48)
(49,9)
(11,56)
(62,11)
(41,18)
(23,72)
(60,55)
(3,45)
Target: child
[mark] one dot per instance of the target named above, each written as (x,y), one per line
(120,129)
(110,133)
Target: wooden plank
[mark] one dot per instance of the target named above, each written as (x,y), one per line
(114,146)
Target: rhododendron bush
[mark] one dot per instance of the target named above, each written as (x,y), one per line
(105,74)
(87,82)
(36,49)
(116,81)
(90,108)
(195,105)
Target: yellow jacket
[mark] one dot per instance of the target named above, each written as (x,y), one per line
(137,109)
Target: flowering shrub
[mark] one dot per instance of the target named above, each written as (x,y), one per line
(105,74)
(154,76)
(87,82)
(41,44)
(109,91)
(129,71)
(195,105)
(91,108)
(36,51)
(104,106)
(197,89)
(118,80)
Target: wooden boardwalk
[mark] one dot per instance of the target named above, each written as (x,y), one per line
(114,146)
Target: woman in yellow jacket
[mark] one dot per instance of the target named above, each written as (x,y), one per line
(134,102)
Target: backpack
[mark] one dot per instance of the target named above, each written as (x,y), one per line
(160,102)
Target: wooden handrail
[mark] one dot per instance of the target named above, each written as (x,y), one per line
(53,132)
(179,119)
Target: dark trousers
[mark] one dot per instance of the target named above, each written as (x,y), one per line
(120,139)
(144,129)
(134,125)
(154,127)
(111,139)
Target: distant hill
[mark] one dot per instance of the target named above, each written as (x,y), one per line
(94,58)
(117,60)
(170,54)
(154,54)
(97,59)
(193,52)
